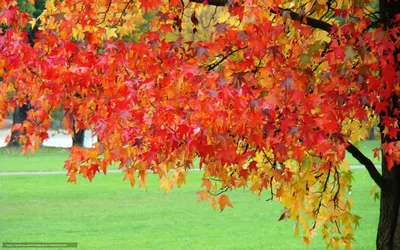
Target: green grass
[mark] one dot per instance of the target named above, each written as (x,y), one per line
(45,159)
(108,214)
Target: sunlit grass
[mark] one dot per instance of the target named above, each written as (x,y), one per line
(109,214)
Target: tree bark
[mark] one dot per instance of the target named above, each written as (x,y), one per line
(77,139)
(389,220)
(388,237)
(20,115)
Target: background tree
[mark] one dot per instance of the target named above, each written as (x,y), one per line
(271,99)
(21,111)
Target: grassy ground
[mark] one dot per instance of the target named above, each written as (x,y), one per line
(108,214)
(45,159)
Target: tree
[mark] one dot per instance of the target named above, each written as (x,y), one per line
(21,112)
(270,100)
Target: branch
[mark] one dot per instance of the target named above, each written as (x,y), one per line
(212,2)
(214,65)
(315,23)
(369,165)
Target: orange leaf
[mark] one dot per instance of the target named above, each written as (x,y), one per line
(213,203)
(129,175)
(223,201)
(72,177)
(206,183)
(203,195)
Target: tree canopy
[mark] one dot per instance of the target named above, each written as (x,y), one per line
(268,95)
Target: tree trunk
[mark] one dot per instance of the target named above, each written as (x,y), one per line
(20,115)
(388,237)
(77,139)
(389,220)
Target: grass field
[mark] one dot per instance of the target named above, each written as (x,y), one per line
(109,214)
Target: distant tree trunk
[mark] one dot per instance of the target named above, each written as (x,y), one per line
(77,139)
(20,115)
(371,135)
(389,220)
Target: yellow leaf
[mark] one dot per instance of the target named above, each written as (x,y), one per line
(167,184)
(111,32)
(32,22)
(50,6)
(181,179)
(77,34)
(124,30)
(345,166)
(373,190)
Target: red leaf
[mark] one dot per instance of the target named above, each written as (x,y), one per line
(377,153)
(283,216)
(147,5)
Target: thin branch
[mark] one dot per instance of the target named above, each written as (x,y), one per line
(336,196)
(124,10)
(212,2)
(316,211)
(223,190)
(315,23)
(214,65)
(105,12)
(270,187)
(212,18)
(369,165)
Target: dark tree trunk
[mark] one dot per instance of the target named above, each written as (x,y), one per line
(77,139)
(20,115)
(388,237)
(389,220)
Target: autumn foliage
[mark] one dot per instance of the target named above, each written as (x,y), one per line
(267,101)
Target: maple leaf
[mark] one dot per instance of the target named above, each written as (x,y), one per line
(167,184)
(147,5)
(129,176)
(206,183)
(174,3)
(221,27)
(223,201)
(8,14)
(201,52)
(349,53)
(203,195)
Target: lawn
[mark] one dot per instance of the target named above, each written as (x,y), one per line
(109,214)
